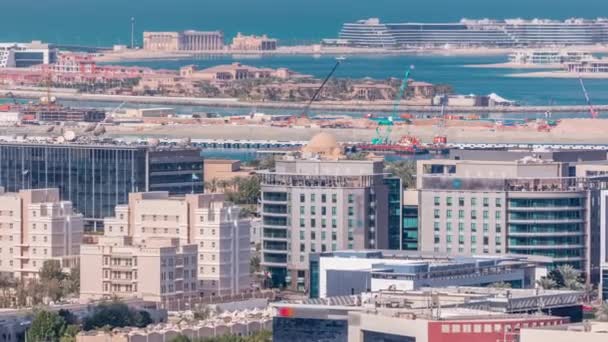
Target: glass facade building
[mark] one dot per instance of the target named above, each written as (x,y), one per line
(96,178)
(394,212)
(409,241)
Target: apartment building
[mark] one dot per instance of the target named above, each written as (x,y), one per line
(160,270)
(206,220)
(319,201)
(517,202)
(35,226)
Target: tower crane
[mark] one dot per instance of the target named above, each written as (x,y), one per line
(594,113)
(304,113)
(385,125)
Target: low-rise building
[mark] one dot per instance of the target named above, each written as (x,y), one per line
(353,272)
(548,57)
(430,314)
(253,43)
(216,170)
(24,55)
(207,221)
(184,41)
(587,331)
(36,226)
(160,270)
(233,72)
(593,65)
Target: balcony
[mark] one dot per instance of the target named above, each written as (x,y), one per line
(544,234)
(546,247)
(535,209)
(545,221)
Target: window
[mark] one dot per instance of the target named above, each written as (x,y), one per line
(486,241)
(302,223)
(445,328)
(473,227)
(334,198)
(473,215)
(498,228)
(351,211)
(497,215)
(323,235)
(460,201)
(436,213)
(436,226)
(473,201)
(448,238)
(448,213)
(351,223)
(323,223)
(334,223)
(312,197)
(455,328)
(498,203)
(486,215)
(333,211)
(486,201)
(313,236)
(437,239)
(302,210)
(461,239)
(313,223)
(302,247)
(334,236)
(473,239)
(448,226)
(323,198)
(437,200)
(351,198)
(302,235)
(448,201)
(323,211)
(302,198)
(498,241)
(460,226)
(485,228)
(461,214)
(313,210)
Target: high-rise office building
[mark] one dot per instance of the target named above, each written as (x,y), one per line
(206,220)
(517,202)
(320,201)
(36,226)
(96,177)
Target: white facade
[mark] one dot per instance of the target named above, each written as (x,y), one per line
(16,55)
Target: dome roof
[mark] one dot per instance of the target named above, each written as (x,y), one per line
(323,144)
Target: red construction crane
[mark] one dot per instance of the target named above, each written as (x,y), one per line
(594,113)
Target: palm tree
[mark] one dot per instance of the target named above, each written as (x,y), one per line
(546,283)
(211,185)
(571,277)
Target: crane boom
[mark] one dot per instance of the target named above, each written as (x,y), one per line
(401,91)
(594,113)
(318,91)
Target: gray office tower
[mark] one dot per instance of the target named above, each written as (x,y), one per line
(320,201)
(98,176)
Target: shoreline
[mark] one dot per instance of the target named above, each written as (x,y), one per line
(290,107)
(560,74)
(509,65)
(317,50)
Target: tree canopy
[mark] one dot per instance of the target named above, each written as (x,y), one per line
(116,315)
(46,326)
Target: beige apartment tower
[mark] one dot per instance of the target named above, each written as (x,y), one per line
(35,226)
(205,220)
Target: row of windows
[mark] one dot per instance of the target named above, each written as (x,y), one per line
(473,250)
(461,240)
(461,227)
(485,214)
(313,235)
(157,230)
(334,210)
(473,201)
(334,198)
(491,328)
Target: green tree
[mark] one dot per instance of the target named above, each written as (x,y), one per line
(546,283)
(115,315)
(51,269)
(254,265)
(46,327)
(404,169)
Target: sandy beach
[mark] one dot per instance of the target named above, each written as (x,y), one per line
(560,74)
(509,65)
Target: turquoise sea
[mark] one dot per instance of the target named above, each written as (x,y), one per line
(106,22)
